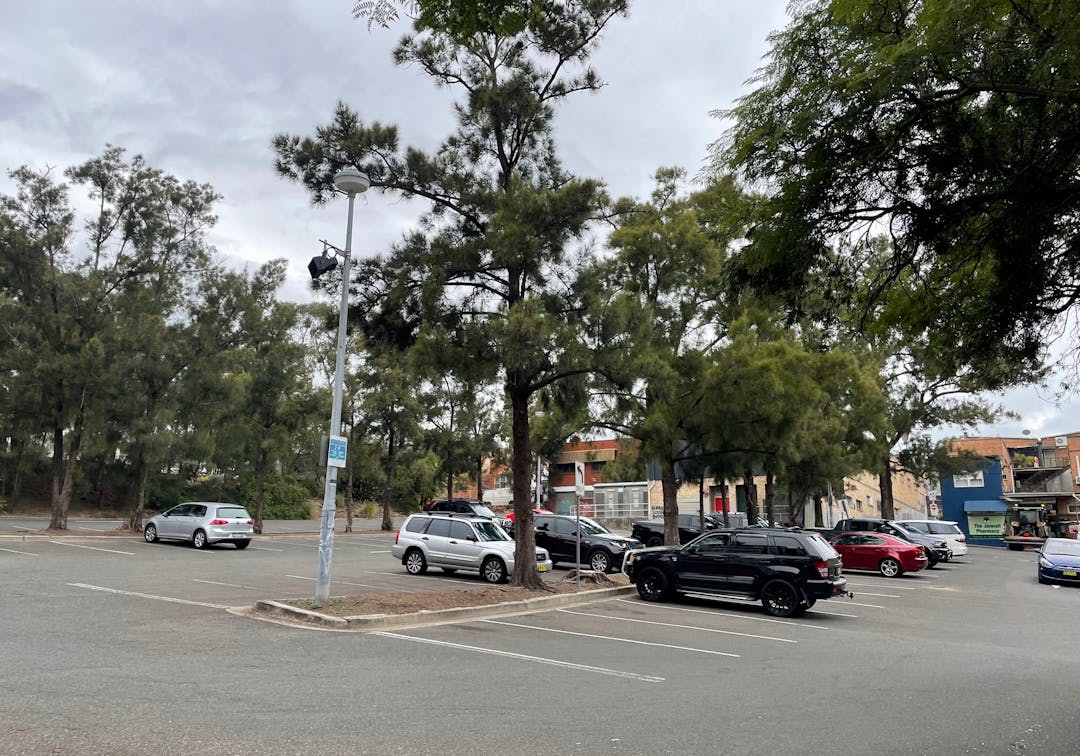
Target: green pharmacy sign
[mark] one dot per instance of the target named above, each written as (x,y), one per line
(986,525)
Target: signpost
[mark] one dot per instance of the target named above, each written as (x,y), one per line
(579,491)
(337,451)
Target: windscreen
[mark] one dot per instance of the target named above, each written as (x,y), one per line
(1062,547)
(945,528)
(489,531)
(483,511)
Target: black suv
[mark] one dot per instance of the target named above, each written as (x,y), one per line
(461,506)
(601,549)
(786,569)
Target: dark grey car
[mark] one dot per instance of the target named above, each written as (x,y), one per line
(202,523)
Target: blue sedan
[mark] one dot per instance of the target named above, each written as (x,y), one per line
(1059,561)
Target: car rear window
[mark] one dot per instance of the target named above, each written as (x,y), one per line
(819,547)
(944,528)
(416,524)
(233,512)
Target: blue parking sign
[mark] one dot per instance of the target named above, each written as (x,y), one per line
(336,451)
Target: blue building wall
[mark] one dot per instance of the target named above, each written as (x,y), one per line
(953,500)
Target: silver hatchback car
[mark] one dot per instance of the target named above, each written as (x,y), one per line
(202,523)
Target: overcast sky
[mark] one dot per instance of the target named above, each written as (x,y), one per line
(201,87)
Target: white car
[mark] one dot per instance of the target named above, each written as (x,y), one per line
(946,529)
(455,542)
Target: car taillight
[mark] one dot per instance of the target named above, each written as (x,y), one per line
(250,522)
(397,535)
(219,522)
(822,568)
(961,539)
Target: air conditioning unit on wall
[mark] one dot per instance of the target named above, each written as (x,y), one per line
(1061,441)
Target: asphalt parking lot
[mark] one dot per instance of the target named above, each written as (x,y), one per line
(115,645)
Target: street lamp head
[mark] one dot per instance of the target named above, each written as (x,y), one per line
(351,181)
(321,264)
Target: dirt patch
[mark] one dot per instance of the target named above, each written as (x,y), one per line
(409,603)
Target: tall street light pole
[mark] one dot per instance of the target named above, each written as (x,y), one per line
(351,182)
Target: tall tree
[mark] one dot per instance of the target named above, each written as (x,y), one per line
(492,264)
(146,225)
(952,127)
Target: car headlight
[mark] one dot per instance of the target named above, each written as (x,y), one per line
(1044,562)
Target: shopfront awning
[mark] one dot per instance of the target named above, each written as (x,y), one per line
(987,505)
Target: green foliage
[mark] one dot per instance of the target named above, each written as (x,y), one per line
(286,498)
(368,510)
(952,126)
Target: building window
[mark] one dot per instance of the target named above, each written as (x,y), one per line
(564,468)
(969,480)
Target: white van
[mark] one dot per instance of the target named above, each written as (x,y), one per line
(946,529)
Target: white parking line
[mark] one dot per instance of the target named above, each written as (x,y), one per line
(339,582)
(713,613)
(680,627)
(20,527)
(264,548)
(385,551)
(413,577)
(230,585)
(147,595)
(880,595)
(524,657)
(613,638)
(833,614)
(891,587)
(92,548)
(96,530)
(872,606)
(13,551)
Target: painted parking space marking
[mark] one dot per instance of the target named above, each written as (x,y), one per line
(679,627)
(613,638)
(422,577)
(880,595)
(266,548)
(14,551)
(713,613)
(95,530)
(228,585)
(526,657)
(170,599)
(384,551)
(891,587)
(871,606)
(92,548)
(832,614)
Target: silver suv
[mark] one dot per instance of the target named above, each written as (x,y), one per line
(458,542)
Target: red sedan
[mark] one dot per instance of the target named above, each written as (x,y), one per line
(891,556)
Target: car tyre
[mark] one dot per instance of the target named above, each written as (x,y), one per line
(242,544)
(781,599)
(150,534)
(493,570)
(414,561)
(889,567)
(654,541)
(198,539)
(600,561)
(653,585)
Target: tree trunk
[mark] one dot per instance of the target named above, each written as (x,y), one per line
(751,497)
(480,478)
(64,470)
(139,503)
(724,502)
(770,492)
(888,506)
(819,512)
(349,501)
(260,488)
(701,503)
(525,573)
(388,493)
(669,484)
(16,483)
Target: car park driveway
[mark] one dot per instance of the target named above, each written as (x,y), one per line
(115,645)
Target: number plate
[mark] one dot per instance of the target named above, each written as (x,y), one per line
(541,567)
(239,535)
(1069,573)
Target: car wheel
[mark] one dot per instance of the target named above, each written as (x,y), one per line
(653,585)
(449,570)
(600,561)
(493,570)
(654,541)
(415,563)
(889,567)
(810,602)
(198,540)
(150,534)
(781,599)
(242,544)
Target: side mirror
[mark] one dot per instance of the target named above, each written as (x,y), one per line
(472,538)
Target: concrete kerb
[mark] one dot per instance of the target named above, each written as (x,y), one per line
(425,617)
